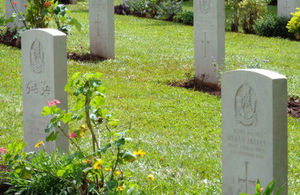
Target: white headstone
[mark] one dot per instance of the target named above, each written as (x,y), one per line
(102,34)
(15,6)
(44,71)
(254,130)
(209,39)
(286,7)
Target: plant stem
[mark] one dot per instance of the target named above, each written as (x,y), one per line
(88,120)
(70,139)
(115,165)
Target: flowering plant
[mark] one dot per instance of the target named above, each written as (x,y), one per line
(41,13)
(266,191)
(294,24)
(95,167)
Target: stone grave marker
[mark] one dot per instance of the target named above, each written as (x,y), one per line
(209,39)
(286,7)
(254,130)
(44,72)
(102,34)
(15,6)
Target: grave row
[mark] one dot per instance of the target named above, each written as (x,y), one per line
(254,121)
(209,32)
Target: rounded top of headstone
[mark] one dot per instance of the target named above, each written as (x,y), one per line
(267,73)
(52,32)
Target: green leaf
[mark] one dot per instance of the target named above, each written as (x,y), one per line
(46,111)
(280,190)
(103,150)
(67,118)
(52,137)
(120,142)
(111,184)
(129,157)
(11,19)
(44,12)
(60,173)
(91,187)
(75,22)
(113,123)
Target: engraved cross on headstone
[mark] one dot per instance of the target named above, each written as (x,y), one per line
(206,43)
(98,23)
(246,180)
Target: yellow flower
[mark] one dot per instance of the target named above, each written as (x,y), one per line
(82,130)
(139,153)
(98,164)
(117,173)
(107,169)
(84,161)
(150,177)
(39,144)
(120,188)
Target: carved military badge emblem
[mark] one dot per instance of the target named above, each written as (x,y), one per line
(245,105)
(37,57)
(205,6)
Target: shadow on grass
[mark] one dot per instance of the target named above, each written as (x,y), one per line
(87,57)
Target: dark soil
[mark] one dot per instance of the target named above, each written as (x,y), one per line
(294,107)
(84,57)
(293,103)
(3,187)
(198,86)
(8,39)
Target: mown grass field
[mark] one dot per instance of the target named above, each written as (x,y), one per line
(179,129)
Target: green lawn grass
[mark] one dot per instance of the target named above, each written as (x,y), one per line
(179,129)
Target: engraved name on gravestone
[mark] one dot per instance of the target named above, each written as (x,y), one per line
(209,39)
(254,130)
(44,72)
(15,6)
(286,7)
(102,35)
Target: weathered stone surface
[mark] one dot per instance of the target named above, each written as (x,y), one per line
(102,33)
(286,7)
(254,130)
(209,39)
(15,6)
(44,72)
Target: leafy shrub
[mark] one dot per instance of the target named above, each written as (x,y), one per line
(234,18)
(273,2)
(265,25)
(97,169)
(167,9)
(281,30)
(185,17)
(269,190)
(41,12)
(272,26)
(4,21)
(122,9)
(159,9)
(250,11)
(294,24)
